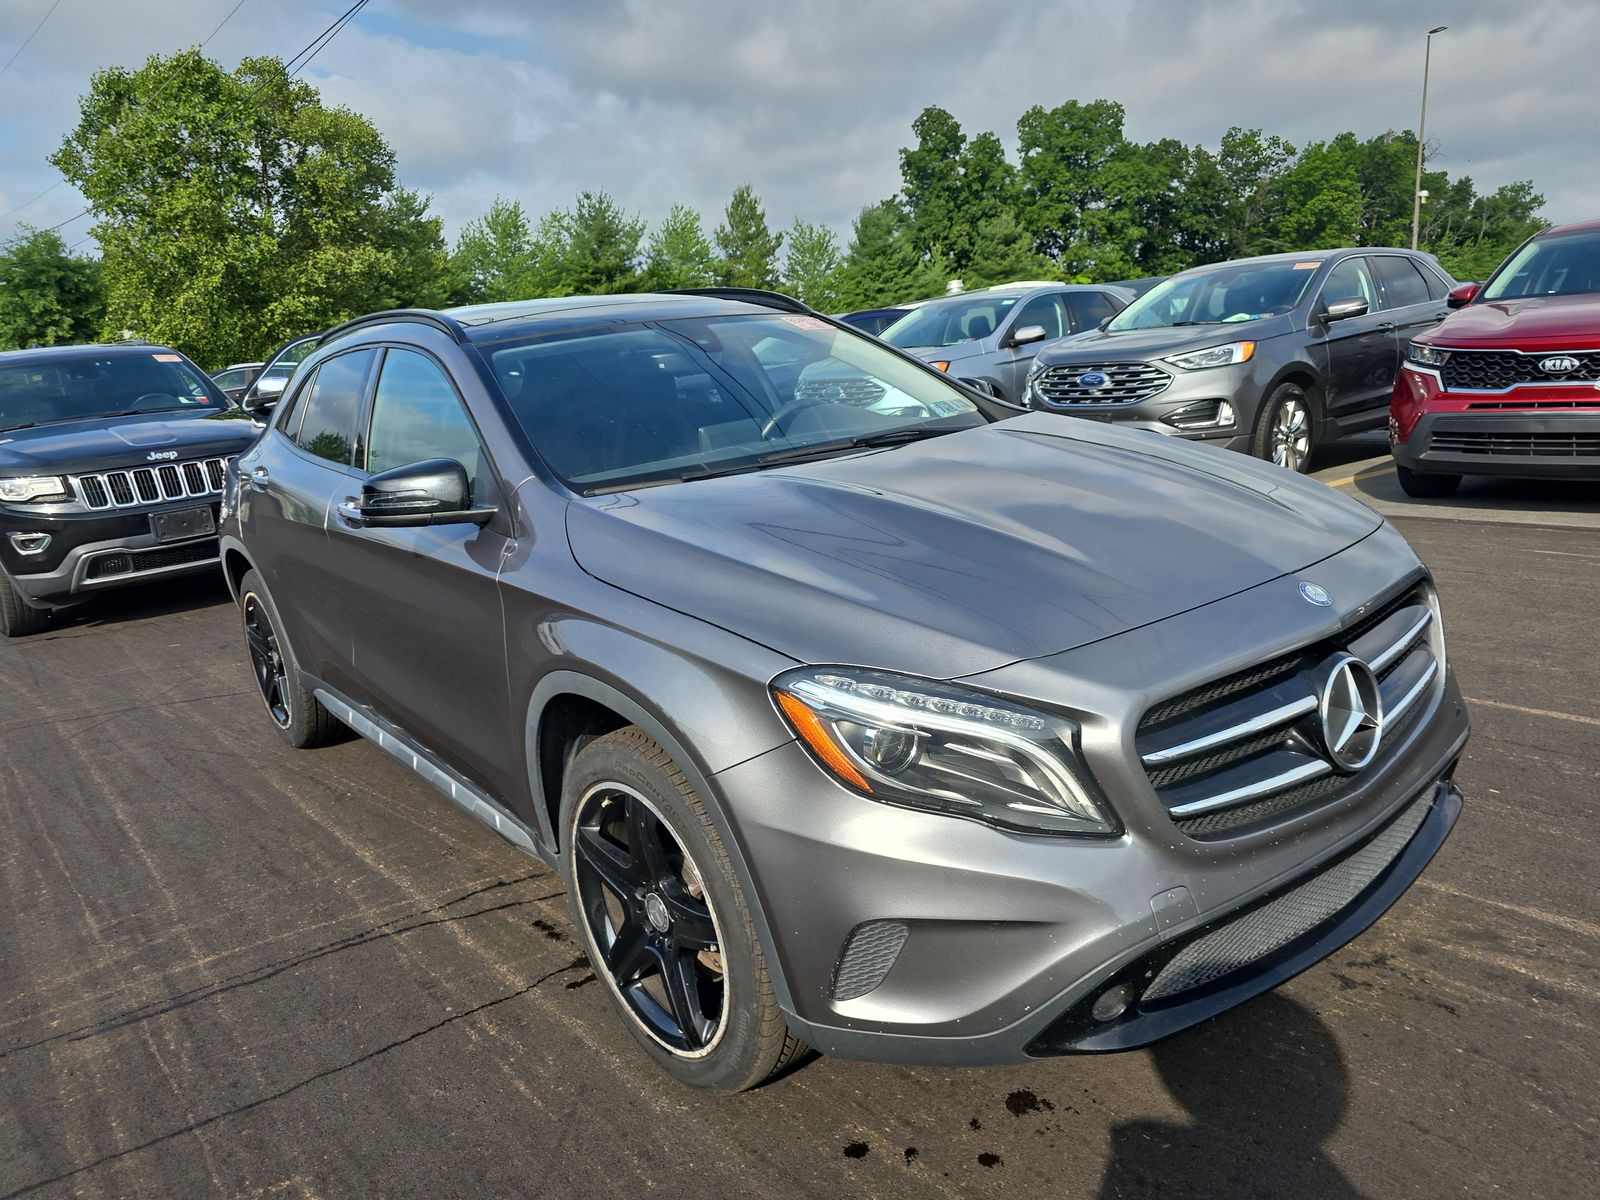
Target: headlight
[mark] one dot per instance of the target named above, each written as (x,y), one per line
(34,487)
(1426,356)
(1216,356)
(928,745)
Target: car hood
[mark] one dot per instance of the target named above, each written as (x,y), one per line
(969,551)
(105,443)
(1139,345)
(1534,323)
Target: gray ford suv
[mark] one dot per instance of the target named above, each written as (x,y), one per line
(866,722)
(1271,355)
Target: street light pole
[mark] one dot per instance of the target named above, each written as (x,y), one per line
(1422,131)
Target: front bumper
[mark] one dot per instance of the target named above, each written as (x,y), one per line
(93,552)
(981,946)
(1528,444)
(1238,385)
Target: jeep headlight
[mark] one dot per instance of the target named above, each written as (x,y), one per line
(20,489)
(1230,355)
(1426,356)
(923,744)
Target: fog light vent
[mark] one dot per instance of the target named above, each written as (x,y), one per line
(30,543)
(869,952)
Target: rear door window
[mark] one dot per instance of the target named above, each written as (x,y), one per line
(1090,308)
(1403,284)
(332,404)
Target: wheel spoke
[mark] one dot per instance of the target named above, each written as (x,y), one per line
(692,927)
(605,860)
(627,956)
(644,844)
(683,995)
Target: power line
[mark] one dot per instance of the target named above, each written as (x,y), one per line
(30,37)
(315,47)
(162,88)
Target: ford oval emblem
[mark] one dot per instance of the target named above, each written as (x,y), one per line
(1558,365)
(1093,379)
(1315,593)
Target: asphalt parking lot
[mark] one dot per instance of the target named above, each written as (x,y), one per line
(230,969)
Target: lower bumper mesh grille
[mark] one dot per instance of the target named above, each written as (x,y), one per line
(134,562)
(1270,927)
(869,952)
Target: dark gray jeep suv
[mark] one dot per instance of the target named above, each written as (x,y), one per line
(1270,355)
(864,720)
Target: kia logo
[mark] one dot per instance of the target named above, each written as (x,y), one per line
(1559,365)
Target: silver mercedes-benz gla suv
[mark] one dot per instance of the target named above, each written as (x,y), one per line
(860,719)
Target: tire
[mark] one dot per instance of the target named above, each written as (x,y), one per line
(651,888)
(1426,487)
(297,715)
(18,618)
(1290,445)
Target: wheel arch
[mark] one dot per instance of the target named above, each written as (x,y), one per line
(235,563)
(566,708)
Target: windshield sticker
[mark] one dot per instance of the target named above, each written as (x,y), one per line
(167,357)
(1311,266)
(807,323)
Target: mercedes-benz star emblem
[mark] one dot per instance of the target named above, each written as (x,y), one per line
(1315,593)
(655,911)
(1352,714)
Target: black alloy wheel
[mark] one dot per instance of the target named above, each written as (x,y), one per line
(649,914)
(266,658)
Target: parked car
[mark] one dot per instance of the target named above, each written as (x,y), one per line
(1272,355)
(1509,384)
(903,733)
(876,320)
(235,380)
(269,382)
(111,466)
(988,337)
(1137,286)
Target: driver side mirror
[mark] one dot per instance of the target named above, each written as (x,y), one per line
(263,395)
(1026,335)
(1461,295)
(1343,310)
(434,492)
(1104,321)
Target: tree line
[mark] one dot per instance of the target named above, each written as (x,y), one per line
(233,211)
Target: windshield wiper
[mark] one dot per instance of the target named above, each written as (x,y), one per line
(866,441)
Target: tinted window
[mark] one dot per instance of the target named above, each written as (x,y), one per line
(1090,308)
(1558,264)
(949,322)
(1243,291)
(1351,280)
(1403,284)
(235,378)
(416,415)
(331,404)
(79,386)
(1046,310)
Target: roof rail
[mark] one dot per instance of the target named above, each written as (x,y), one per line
(761,296)
(422,316)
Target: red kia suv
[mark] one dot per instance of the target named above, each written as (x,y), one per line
(1509,383)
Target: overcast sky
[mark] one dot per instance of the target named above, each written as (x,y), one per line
(657,101)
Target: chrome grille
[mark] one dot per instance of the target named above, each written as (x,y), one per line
(1125,383)
(1498,370)
(853,390)
(1246,750)
(136,487)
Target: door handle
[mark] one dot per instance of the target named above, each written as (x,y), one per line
(260,479)
(348,512)
(1386,326)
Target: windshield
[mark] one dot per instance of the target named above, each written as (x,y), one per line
(1563,264)
(680,400)
(1224,295)
(83,386)
(949,322)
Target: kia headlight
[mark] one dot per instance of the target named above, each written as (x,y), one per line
(1425,355)
(1230,355)
(20,489)
(922,744)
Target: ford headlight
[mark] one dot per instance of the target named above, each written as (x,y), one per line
(928,745)
(33,487)
(1230,355)
(1426,356)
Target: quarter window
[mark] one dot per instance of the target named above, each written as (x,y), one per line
(332,404)
(1403,284)
(416,415)
(1351,280)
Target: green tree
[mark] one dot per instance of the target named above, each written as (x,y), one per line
(811,267)
(234,211)
(1250,201)
(492,254)
(1002,252)
(1065,184)
(930,175)
(882,265)
(678,254)
(48,297)
(749,251)
(602,252)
